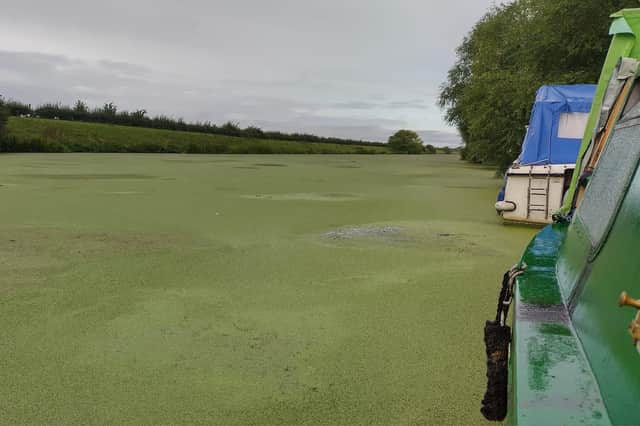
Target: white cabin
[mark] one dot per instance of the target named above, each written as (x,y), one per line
(536,182)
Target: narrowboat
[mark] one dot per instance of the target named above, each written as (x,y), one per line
(571,355)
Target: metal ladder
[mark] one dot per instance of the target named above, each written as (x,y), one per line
(538,187)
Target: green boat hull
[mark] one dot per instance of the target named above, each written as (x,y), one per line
(551,379)
(573,360)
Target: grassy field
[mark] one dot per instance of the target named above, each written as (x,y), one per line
(39,135)
(300,290)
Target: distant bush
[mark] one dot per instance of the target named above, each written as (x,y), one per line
(81,107)
(406,142)
(13,144)
(446,150)
(430,149)
(18,108)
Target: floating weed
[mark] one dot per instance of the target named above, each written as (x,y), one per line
(270,165)
(123,193)
(386,233)
(92,176)
(310,196)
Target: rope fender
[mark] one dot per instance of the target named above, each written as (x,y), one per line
(497,338)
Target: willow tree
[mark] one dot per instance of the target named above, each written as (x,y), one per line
(509,53)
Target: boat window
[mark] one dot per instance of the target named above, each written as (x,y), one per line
(632,102)
(572,125)
(610,182)
(632,109)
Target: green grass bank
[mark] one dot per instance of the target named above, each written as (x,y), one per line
(236,290)
(40,135)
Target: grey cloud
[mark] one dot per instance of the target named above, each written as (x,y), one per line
(405,104)
(361,68)
(125,67)
(356,105)
(53,78)
(412,103)
(440,138)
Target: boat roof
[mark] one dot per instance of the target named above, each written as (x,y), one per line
(545,141)
(625,42)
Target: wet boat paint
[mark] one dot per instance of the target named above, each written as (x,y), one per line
(551,380)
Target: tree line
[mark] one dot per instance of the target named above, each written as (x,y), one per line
(4,118)
(73,136)
(52,138)
(110,114)
(511,51)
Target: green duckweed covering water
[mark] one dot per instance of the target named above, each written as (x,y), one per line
(167,289)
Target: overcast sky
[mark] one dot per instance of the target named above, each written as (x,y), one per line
(349,68)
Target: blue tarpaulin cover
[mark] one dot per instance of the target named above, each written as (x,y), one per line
(542,144)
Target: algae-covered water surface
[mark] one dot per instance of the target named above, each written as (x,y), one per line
(162,289)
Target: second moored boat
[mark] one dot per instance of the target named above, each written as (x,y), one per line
(536,182)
